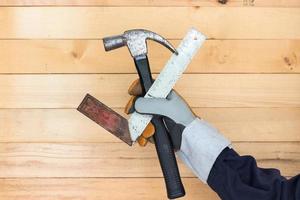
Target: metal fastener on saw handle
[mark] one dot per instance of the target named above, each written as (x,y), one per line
(135,40)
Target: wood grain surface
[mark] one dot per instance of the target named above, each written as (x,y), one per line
(88,56)
(68,125)
(104,160)
(274,3)
(95,188)
(200,90)
(245,81)
(98,22)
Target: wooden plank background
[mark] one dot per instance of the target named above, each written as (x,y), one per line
(245,81)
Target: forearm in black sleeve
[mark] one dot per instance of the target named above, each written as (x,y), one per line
(235,177)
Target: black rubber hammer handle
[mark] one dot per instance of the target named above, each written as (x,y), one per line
(163,145)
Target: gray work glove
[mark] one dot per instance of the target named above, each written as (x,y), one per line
(175,111)
(198,143)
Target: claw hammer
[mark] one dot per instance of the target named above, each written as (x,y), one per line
(135,40)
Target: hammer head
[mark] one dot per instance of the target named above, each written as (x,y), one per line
(136,41)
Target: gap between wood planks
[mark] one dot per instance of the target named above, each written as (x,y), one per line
(145,3)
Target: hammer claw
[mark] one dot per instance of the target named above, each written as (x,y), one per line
(135,39)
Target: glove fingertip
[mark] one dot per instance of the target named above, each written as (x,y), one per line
(139,104)
(129,108)
(149,131)
(154,106)
(135,88)
(142,141)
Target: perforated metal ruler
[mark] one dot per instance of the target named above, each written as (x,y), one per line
(167,78)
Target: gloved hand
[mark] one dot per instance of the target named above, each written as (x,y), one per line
(199,143)
(175,111)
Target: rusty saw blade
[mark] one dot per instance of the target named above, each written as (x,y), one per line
(105,117)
